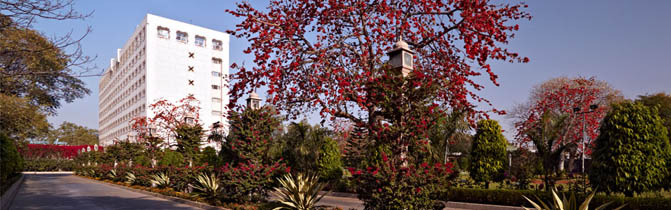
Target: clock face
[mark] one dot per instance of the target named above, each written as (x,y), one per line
(407,59)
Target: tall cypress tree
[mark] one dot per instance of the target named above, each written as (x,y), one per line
(488,153)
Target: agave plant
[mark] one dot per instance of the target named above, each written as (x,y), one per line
(112,174)
(207,187)
(299,192)
(566,204)
(130,178)
(160,180)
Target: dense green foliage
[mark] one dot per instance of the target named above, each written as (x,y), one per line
(209,157)
(21,120)
(545,136)
(171,158)
(35,68)
(329,163)
(251,136)
(662,102)
(514,198)
(11,161)
(73,134)
(302,145)
(488,153)
(631,152)
(189,140)
(49,165)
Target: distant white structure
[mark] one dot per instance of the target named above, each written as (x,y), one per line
(165,59)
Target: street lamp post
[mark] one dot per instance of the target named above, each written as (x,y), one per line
(584,134)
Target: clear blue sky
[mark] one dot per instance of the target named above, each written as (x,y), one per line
(625,43)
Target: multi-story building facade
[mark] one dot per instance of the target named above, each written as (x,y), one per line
(163,59)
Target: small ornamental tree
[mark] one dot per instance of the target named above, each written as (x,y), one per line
(559,96)
(251,135)
(630,152)
(189,139)
(488,153)
(329,163)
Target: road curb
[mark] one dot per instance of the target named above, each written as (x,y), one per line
(171,198)
(10,194)
(478,206)
(48,172)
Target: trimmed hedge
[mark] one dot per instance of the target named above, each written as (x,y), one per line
(49,165)
(514,198)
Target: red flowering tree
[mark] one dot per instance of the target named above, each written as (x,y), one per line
(329,57)
(560,96)
(164,117)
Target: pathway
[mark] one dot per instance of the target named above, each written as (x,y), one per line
(71,192)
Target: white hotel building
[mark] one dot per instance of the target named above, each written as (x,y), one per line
(163,59)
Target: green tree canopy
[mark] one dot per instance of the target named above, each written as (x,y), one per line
(631,152)
(189,138)
(35,68)
(488,153)
(20,120)
(329,163)
(73,134)
(663,103)
(253,132)
(302,144)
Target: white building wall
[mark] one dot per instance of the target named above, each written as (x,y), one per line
(167,63)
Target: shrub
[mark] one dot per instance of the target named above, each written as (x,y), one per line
(566,203)
(143,161)
(209,157)
(300,192)
(171,158)
(488,153)
(207,187)
(629,156)
(50,165)
(248,182)
(514,198)
(394,187)
(329,163)
(160,180)
(10,160)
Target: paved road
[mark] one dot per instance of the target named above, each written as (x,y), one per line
(70,192)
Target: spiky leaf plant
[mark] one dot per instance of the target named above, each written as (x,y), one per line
(130,178)
(160,180)
(566,203)
(112,174)
(300,192)
(207,187)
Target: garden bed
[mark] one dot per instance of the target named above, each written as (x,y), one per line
(514,198)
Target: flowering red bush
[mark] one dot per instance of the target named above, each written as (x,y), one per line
(36,151)
(248,181)
(406,187)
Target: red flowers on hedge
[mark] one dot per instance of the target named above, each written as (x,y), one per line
(50,151)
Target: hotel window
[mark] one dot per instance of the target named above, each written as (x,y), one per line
(216,74)
(215,87)
(216,113)
(217,45)
(163,32)
(216,100)
(200,41)
(216,60)
(182,37)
